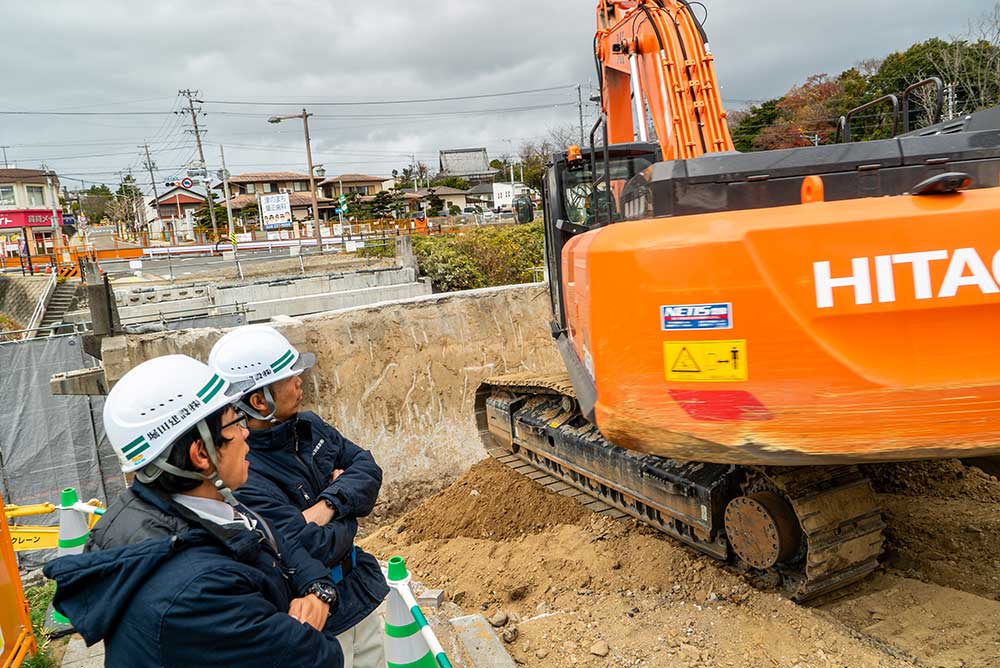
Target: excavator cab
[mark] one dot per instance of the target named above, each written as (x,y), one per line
(583,189)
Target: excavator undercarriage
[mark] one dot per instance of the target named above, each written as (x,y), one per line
(809,529)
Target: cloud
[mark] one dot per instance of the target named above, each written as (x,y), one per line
(107,55)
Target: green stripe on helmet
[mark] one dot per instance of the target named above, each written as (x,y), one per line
(73,542)
(418,615)
(132,453)
(405,631)
(214,391)
(211,383)
(135,442)
(287,360)
(426,661)
(280,362)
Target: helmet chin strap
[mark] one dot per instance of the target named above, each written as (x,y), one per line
(244,404)
(152,471)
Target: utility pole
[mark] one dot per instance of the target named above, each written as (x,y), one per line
(225,189)
(579,104)
(4,148)
(413,170)
(312,184)
(229,209)
(190,95)
(152,177)
(54,195)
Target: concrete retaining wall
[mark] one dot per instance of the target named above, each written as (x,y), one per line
(19,296)
(398,378)
(265,300)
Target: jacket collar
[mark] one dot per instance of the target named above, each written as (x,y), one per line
(282,435)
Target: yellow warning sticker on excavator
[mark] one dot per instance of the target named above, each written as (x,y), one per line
(705,361)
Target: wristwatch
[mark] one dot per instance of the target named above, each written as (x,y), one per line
(324,591)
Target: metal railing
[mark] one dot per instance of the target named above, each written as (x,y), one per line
(43,302)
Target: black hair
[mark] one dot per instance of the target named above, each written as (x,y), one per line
(180,456)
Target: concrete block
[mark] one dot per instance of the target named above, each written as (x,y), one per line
(430,598)
(78,655)
(481,642)
(79,382)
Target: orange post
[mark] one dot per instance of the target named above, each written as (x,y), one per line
(17,640)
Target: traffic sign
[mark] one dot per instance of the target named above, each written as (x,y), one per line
(341,198)
(186,183)
(232,239)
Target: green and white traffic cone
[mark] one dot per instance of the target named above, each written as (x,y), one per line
(409,640)
(73,534)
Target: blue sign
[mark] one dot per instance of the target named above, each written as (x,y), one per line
(696,316)
(68,219)
(284,225)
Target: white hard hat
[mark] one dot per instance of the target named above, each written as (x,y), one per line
(257,356)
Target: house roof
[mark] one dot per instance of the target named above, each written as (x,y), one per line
(185,194)
(353,178)
(441,190)
(262,177)
(480,189)
(465,161)
(295,199)
(30,175)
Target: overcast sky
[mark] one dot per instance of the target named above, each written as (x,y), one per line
(116,56)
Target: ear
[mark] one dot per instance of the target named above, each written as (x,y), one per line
(199,456)
(258,402)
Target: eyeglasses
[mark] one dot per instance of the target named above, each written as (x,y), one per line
(241,420)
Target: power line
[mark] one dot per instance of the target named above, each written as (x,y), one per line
(372,102)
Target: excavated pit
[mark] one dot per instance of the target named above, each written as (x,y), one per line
(570,580)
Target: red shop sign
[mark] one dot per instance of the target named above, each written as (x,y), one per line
(27,218)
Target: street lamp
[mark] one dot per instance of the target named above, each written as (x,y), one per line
(312,180)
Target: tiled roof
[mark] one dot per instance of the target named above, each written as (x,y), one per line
(353,178)
(31,175)
(260,177)
(481,189)
(465,161)
(296,200)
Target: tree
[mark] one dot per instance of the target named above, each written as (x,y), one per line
(95,202)
(454,210)
(381,205)
(434,204)
(451,182)
(203,220)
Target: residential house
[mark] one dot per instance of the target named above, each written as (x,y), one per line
(498,196)
(420,200)
(244,190)
(171,215)
(471,164)
(27,197)
(362,184)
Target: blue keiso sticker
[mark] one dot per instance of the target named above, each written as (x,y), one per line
(696,316)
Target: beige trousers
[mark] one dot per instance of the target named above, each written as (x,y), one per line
(363,643)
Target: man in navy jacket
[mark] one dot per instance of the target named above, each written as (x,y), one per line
(177,573)
(308,480)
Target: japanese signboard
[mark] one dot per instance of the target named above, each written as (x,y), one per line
(276,211)
(27,218)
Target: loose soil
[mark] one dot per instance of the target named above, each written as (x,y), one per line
(571,581)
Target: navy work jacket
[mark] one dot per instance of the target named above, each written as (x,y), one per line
(185,595)
(290,470)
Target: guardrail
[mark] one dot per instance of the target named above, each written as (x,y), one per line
(43,302)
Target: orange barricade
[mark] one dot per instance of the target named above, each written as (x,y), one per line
(17,640)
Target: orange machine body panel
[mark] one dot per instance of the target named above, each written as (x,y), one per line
(16,638)
(859,330)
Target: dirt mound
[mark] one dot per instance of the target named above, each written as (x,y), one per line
(943,478)
(584,590)
(490,501)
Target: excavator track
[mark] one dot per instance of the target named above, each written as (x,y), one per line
(811,530)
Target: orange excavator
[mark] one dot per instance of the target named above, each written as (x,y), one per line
(740,331)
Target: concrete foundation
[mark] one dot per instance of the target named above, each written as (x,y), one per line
(19,296)
(398,378)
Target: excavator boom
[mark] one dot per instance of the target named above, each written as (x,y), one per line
(654,55)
